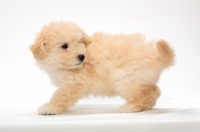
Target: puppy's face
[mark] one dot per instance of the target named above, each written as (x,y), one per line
(61,45)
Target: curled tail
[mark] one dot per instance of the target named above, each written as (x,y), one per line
(165,53)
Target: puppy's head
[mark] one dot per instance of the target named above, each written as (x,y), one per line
(61,45)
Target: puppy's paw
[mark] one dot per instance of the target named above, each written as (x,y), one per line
(50,109)
(130,108)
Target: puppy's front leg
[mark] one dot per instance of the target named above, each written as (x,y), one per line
(63,98)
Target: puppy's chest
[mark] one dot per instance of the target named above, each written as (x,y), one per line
(67,78)
(57,78)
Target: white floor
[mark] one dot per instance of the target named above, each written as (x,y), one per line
(173,117)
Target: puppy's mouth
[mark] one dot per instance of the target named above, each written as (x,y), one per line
(79,63)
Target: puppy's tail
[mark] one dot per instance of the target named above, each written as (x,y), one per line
(165,53)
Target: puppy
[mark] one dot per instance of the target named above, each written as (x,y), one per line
(101,65)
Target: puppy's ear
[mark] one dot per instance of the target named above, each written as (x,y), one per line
(87,39)
(38,48)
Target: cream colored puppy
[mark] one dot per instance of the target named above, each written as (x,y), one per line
(105,65)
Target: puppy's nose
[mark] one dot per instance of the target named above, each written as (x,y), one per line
(81,57)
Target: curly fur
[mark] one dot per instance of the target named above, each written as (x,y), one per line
(114,65)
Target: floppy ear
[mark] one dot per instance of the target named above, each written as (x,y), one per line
(87,39)
(38,48)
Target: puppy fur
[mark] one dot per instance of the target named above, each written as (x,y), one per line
(111,65)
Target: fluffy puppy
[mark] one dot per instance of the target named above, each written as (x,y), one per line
(102,64)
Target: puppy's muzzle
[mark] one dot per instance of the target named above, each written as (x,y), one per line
(81,57)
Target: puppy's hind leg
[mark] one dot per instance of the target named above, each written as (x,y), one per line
(139,98)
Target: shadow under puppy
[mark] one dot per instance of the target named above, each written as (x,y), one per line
(102,64)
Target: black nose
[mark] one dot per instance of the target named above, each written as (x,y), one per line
(81,57)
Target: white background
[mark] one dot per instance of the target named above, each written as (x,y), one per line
(178,21)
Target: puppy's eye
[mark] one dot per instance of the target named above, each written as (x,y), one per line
(64,46)
(81,41)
